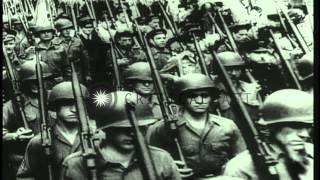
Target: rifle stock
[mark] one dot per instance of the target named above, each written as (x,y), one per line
(46,140)
(17,95)
(285,62)
(87,143)
(167,113)
(257,148)
(148,169)
(115,68)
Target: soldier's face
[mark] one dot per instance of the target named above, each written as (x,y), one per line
(46,35)
(198,102)
(234,72)
(87,29)
(9,45)
(121,17)
(125,42)
(154,23)
(144,87)
(122,139)
(241,36)
(67,113)
(292,139)
(159,40)
(67,32)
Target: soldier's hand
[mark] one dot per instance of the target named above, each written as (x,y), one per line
(183,170)
(24,134)
(123,61)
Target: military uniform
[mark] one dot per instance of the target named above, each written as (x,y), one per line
(247,169)
(280,131)
(161,57)
(248,93)
(55,56)
(205,152)
(207,149)
(34,163)
(14,146)
(108,165)
(73,167)
(78,54)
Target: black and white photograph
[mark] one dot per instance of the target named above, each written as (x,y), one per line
(159,90)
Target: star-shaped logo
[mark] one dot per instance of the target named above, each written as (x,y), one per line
(101,98)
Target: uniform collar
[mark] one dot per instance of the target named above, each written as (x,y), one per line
(103,161)
(211,120)
(58,136)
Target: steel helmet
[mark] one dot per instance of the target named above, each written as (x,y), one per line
(46,27)
(110,110)
(192,82)
(27,70)
(287,106)
(64,92)
(229,58)
(63,23)
(138,71)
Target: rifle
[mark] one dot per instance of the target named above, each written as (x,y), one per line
(201,61)
(87,143)
(17,95)
(167,111)
(285,62)
(296,33)
(148,169)
(115,68)
(258,149)
(46,140)
(172,25)
(74,20)
(235,49)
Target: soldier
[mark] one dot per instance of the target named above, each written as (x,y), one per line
(116,153)
(124,50)
(15,134)
(207,141)
(75,50)
(95,46)
(51,53)
(241,35)
(248,92)
(139,80)
(65,135)
(287,115)
(22,42)
(157,39)
(10,43)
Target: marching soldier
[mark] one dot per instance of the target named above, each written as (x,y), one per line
(15,134)
(65,135)
(124,49)
(138,79)
(287,115)
(116,153)
(247,91)
(50,52)
(22,42)
(75,50)
(207,141)
(161,54)
(9,41)
(95,46)
(241,35)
